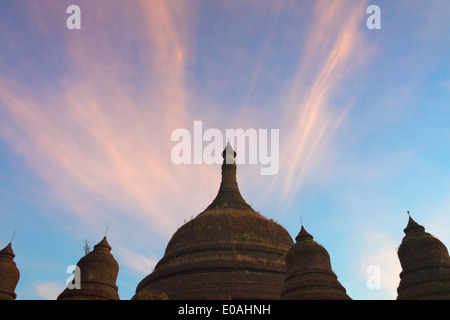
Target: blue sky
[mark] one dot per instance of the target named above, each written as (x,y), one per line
(86,118)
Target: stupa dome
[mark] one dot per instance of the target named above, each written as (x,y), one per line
(425,265)
(229,251)
(309,274)
(99,272)
(9,274)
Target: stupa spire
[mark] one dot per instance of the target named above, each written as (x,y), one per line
(229,195)
(412,225)
(7,252)
(303,235)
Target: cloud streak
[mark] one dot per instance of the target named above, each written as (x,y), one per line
(333,50)
(99,141)
(101,137)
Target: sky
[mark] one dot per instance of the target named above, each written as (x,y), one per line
(86,119)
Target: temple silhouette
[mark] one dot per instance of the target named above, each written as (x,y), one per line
(230,251)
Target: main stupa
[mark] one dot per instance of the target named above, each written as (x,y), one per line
(229,251)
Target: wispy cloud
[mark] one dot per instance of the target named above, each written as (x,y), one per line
(99,138)
(140,264)
(334,49)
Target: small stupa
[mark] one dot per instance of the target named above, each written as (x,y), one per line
(309,274)
(9,274)
(99,272)
(425,265)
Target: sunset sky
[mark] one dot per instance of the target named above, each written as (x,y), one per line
(86,118)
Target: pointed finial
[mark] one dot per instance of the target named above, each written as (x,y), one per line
(7,252)
(106,232)
(228,153)
(303,235)
(103,244)
(412,224)
(301,220)
(13,236)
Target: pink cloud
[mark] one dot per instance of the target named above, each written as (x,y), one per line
(98,142)
(101,138)
(334,49)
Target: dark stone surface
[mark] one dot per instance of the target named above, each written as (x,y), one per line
(9,274)
(425,266)
(229,251)
(99,272)
(309,274)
